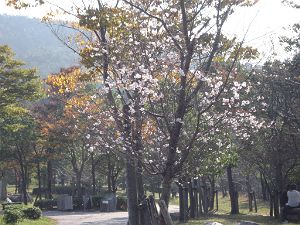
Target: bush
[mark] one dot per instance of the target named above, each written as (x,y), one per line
(121,203)
(96,201)
(62,190)
(36,191)
(13,214)
(46,203)
(32,213)
(77,203)
(59,190)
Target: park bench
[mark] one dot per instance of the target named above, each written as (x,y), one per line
(293,214)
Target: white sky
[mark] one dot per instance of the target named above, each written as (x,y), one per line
(266,19)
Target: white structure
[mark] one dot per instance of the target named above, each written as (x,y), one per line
(65,202)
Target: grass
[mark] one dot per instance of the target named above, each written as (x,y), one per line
(223,214)
(41,221)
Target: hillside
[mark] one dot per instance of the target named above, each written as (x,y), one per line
(35,44)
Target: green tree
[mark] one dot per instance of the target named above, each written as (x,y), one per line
(18,86)
(16,83)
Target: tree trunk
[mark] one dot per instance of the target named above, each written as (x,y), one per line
(271,205)
(181,202)
(73,186)
(49,179)
(263,188)
(279,178)
(3,187)
(250,198)
(39,180)
(212,192)
(276,205)
(166,188)
(78,175)
(200,198)
(185,201)
(109,174)
(93,174)
(250,201)
(114,184)
(195,189)
(192,199)
(140,184)
(132,201)
(23,183)
(217,200)
(223,188)
(205,199)
(44,183)
(140,190)
(17,181)
(232,192)
(131,182)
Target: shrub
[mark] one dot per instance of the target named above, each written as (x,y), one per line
(13,214)
(62,190)
(33,213)
(46,203)
(96,201)
(121,203)
(59,190)
(41,191)
(77,203)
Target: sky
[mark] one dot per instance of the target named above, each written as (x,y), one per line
(262,24)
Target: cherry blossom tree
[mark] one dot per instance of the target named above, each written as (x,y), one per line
(162,63)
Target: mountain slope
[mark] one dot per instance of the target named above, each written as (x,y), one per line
(35,44)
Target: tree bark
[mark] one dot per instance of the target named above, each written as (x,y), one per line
(3,186)
(185,201)
(276,205)
(232,192)
(109,174)
(271,205)
(212,192)
(49,179)
(181,202)
(250,198)
(17,181)
(131,182)
(263,188)
(78,175)
(23,183)
(192,199)
(195,189)
(93,174)
(166,188)
(132,201)
(39,180)
(140,184)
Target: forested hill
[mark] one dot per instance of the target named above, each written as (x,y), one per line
(35,44)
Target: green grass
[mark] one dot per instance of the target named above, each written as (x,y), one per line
(223,214)
(42,221)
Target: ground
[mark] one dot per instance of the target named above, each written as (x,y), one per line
(120,218)
(42,221)
(85,218)
(223,214)
(92,218)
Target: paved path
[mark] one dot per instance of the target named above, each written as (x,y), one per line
(92,218)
